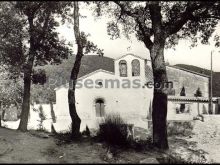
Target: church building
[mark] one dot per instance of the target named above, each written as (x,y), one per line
(125,88)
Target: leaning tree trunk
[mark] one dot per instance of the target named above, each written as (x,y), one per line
(27,80)
(71,97)
(159,113)
(0,114)
(74,74)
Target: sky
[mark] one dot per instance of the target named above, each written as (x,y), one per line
(183,54)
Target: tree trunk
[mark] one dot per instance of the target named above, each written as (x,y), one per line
(52,112)
(26,103)
(3,114)
(71,97)
(0,114)
(27,79)
(73,114)
(159,114)
(74,74)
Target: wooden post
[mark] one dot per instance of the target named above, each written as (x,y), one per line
(0,114)
(211,103)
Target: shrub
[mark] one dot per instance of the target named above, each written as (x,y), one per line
(183,128)
(113,130)
(86,132)
(42,118)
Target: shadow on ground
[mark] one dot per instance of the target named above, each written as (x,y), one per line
(40,147)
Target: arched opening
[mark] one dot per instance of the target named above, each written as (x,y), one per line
(123,68)
(99,107)
(135,67)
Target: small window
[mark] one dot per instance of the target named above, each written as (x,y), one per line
(135,67)
(183,109)
(198,93)
(183,91)
(123,68)
(99,106)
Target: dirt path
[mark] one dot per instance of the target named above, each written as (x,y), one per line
(17,147)
(23,147)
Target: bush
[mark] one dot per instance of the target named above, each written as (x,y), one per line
(86,132)
(183,128)
(42,118)
(113,130)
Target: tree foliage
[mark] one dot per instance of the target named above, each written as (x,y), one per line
(29,38)
(15,37)
(11,90)
(193,20)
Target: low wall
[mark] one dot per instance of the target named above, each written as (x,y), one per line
(34,118)
(192,107)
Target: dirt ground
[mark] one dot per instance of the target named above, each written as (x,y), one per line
(207,137)
(37,147)
(18,147)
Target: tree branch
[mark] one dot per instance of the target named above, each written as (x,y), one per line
(156,19)
(155,14)
(45,26)
(76,27)
(125,11)
(146,36)
(173,26)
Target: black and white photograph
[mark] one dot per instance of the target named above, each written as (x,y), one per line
(109,82)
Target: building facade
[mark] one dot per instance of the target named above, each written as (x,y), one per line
(124,91)
(101,92)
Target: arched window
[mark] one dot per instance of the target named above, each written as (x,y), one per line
(182,93)
(123,68)
(135,67)
(99,107)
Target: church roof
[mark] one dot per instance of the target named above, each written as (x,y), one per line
(188,70)
(131,55)
(91,63)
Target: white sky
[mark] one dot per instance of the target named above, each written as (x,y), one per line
(183,54)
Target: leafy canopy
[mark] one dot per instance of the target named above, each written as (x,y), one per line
(193,20)
(15,36)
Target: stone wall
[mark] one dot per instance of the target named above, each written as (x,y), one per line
(34,118)
(190,81)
